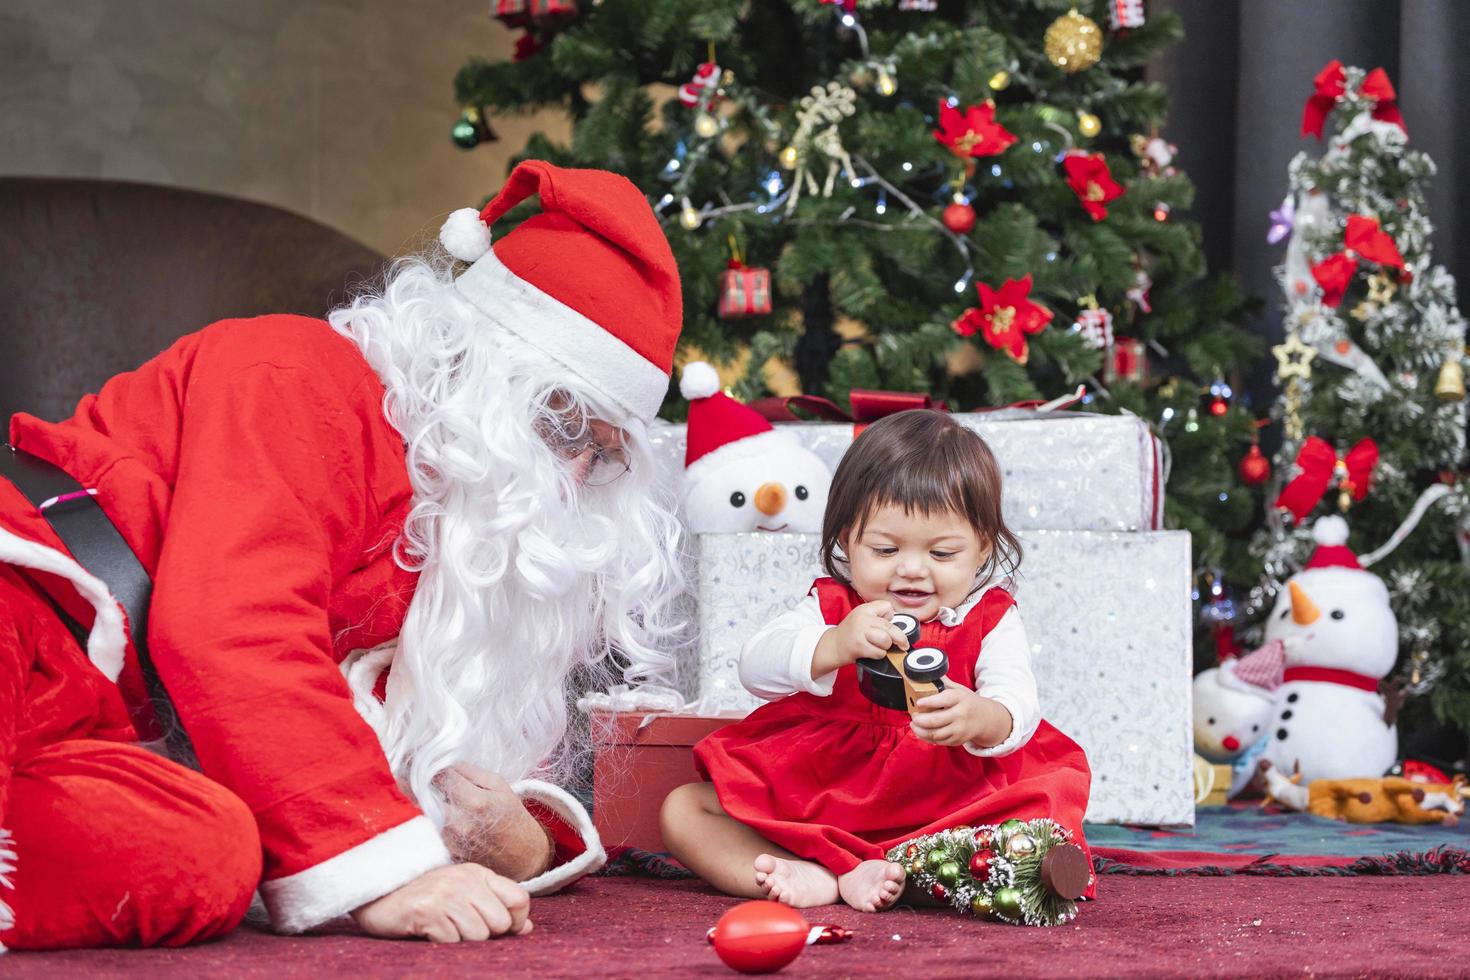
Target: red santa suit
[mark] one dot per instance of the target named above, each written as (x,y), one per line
(252,471)
(834,778)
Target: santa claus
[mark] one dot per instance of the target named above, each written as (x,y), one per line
(377,547)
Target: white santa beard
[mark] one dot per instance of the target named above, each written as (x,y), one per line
(524,576)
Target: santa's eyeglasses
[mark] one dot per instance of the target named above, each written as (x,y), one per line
(603,466)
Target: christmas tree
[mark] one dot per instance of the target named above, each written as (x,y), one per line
(1372,374)
(967,199)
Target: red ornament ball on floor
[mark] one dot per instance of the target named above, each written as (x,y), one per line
(959,218)
(759,937)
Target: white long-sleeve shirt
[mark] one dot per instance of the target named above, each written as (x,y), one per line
(777,661)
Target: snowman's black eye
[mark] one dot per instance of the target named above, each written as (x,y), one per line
(1338,614)
(1284,613)
(802,493)
(1255,728)
(737,499)
(1209,721)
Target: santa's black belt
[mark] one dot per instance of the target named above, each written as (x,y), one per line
(96,544)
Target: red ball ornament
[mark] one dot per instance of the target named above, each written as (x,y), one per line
(1255,468)
(980,865)
(959,218)
(759,937)
(1219,406)
(938,891)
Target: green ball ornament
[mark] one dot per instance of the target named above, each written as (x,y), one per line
(937,858)
(1010,826)
(1007,902)
(949,873)
(465,134)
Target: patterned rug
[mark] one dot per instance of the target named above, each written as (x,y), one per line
(1229,840)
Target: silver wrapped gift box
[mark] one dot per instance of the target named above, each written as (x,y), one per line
(1108,616)
(1063,470)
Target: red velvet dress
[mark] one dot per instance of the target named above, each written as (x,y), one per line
(839,780)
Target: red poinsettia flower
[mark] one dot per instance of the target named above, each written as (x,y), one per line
(974,132)
(1006,315)
(1092,182)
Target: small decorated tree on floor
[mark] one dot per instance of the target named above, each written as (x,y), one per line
(1372,383)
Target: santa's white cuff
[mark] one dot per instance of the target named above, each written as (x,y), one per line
(7,868)
(355,877)
(564,805)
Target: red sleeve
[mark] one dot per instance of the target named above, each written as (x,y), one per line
(566,841)
(269,509)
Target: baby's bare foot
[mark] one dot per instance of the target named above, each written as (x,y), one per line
(800,884)
(872,886)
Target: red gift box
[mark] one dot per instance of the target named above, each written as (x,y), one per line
(1126,360)
(639,759)
(746,292)
(518,13)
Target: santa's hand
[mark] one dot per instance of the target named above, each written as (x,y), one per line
(449,905)
(488,824)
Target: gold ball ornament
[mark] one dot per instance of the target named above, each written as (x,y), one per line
(788,158)
(1000,80)
(1020,845)
(1073,42)
(981,906)
(1088,124)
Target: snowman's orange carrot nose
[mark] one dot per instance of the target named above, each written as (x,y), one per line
(1303,609)
(770,499)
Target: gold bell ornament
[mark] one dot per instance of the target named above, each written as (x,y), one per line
(1450,386)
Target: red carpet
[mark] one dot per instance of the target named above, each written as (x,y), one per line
(1144,926)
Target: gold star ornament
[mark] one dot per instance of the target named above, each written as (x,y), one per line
(1293,358)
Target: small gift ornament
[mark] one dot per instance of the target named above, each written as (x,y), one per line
(703,87)
(745,291)
(1126,360)
(1094,324)
(519,13)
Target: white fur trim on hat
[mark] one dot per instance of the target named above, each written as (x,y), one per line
(1330,530)
(464,235)
(566,806)
(698,380)
(762,445)
(107,643)
(7,868)
(601,360)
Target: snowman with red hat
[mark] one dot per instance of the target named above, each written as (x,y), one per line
(1341,640)
(740,474)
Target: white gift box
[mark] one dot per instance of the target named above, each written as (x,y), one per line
(1108,616)
(1062,470)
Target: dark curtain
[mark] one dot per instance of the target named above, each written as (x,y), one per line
(1238,83)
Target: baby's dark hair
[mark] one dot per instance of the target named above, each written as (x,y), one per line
(919,460)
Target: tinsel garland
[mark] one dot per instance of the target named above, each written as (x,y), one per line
(990,871)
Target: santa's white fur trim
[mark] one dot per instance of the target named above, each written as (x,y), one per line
(464,235)
(107,643)
(7,868)
(698,380)
(1330,530)
(565,806)
(355,877)
(598,358)
(762,445)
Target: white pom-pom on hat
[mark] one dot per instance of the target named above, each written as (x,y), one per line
(1330,530)
(699,380)
(464,235)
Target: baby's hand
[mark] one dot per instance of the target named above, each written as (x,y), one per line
(868,633)
(957,715)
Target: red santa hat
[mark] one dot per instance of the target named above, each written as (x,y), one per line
(589,281)
(720,428)
(1331,534)
(1264,668)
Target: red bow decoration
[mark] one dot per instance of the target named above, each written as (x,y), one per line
(867,406)
(1091,180)
(1363,239)
(1330,85)
(1319,463)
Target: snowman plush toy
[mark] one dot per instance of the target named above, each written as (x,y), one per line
(1234,707)
(740,474)
(1341,640)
